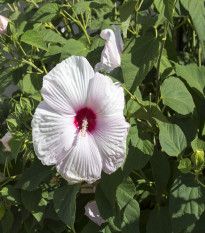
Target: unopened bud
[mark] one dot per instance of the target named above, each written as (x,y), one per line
(8,136)
(3,24)
(198,158)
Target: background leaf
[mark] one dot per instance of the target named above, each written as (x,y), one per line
(138,60)
(172,138)
(64,203)
(193,75)
(186,202)
(197,13)
(175,95)
(32,176)
(34,38)
(159,221)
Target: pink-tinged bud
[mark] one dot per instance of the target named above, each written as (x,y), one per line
(3,24)
(8,136)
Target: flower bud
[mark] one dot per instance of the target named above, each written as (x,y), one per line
(198,158)
(5,140)
(3,24)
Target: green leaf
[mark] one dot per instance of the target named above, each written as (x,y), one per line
(159,221)
(95,51)
(148,112)
(106,192)
(74,47)
(5,79)
(125,26)
(34,203)
(175,95)
(7,222)
(193,75)
(140,150)
(129,208)
(197,144)
(11,124)
(2,210)
(54,226)
(51,36)
(65,204)
(184,165)
(160,172)
(16,143)
(32,83)
(186,202)
(129,70)
(47,13)
(138,60)
(127,9)
(159,4)
(34,38)
(106,229)
(11,195)
(197,13)
(32,176)
(172,138)
(82,7)
(90,227)
(188,126)
(169,8)
(145,4)
(197,227)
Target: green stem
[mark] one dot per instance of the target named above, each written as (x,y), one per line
(10,7)
(31,64)
(82,26)
(21,49)
(199,182)
(66,24)
(140,5)
(145,178)
(159,60)
(199,54)
(142,176)
(182,23)
(78,23)
(54,28)
(44,68)
(31,1)
(133,97)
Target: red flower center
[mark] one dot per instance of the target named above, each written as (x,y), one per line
(85,120)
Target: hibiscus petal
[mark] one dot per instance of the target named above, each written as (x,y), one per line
(54,134)
(104,96)
(110,57)
(118,37)
(65,86)
(110,136)
(83,163)
(92,212)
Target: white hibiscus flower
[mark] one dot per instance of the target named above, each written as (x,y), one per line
(80,126)
(111,54)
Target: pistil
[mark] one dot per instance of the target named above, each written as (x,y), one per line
(84,127)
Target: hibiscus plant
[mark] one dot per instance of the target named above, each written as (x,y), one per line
(102,116)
